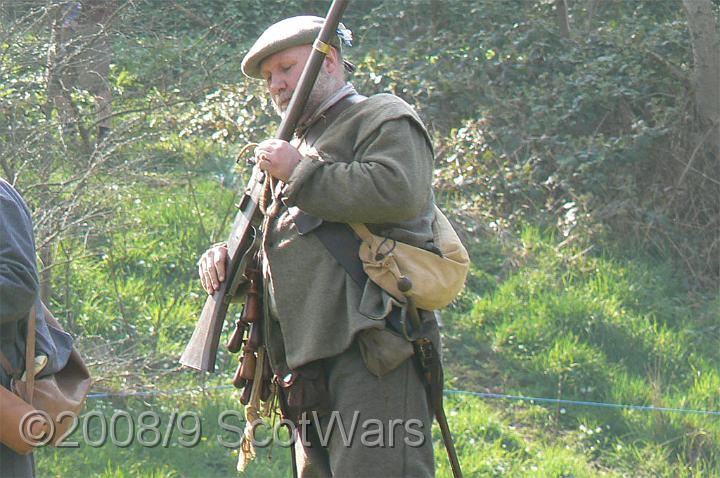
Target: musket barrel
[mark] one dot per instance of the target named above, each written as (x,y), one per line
(310,72)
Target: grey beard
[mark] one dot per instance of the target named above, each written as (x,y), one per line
(324,86)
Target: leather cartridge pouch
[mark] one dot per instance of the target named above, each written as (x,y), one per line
(305,390)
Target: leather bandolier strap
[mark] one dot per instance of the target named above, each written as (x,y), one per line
(338,239)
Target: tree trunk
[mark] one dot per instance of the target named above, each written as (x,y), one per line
(591,13)
(435,10)
(563,19)
(705,40)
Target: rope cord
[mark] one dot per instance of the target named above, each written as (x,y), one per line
(646,408)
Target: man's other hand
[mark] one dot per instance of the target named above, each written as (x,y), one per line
(211,268)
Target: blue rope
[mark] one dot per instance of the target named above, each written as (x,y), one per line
(646,408)
(152,393)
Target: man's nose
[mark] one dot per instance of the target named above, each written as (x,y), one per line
(277,85)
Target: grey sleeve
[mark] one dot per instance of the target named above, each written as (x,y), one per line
(389,181)
(19,284)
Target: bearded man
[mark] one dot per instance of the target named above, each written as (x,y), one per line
(354,160)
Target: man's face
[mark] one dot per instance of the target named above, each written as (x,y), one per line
(282,71)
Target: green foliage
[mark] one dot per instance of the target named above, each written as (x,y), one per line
(135,298)
(580,131)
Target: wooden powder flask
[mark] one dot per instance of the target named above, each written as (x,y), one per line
(250,312)
(244,328)
(245,372)
(247,365)
(238,381)
(249,357)
(245,396)
(235,342)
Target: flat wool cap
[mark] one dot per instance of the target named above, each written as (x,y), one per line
(293,31)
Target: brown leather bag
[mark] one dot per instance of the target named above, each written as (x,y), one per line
(52,401)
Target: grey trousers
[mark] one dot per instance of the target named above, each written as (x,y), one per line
(386,424)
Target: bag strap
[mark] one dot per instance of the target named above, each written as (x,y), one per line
(337,238)
(6,365)
(362,231)
(29,357)
(328,117)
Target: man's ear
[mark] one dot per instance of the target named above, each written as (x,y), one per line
(332,61)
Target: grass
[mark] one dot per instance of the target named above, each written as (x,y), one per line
(158,447)
(610,327)
(555,323)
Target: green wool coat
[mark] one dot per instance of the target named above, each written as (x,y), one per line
(373,165)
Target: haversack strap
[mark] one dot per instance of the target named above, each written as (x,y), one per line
(6,365)
(30,355)
(337,238)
